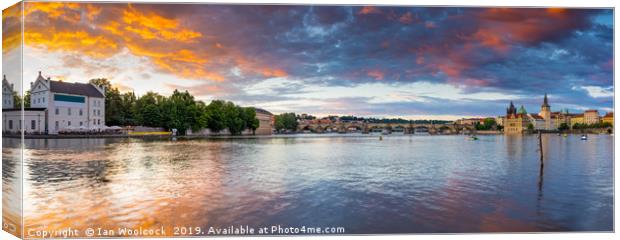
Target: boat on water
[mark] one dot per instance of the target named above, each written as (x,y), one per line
(472,138)
(584,137)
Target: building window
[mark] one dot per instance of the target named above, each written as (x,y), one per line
(94,112)
(81,112)
(56,125)
(98,121)
(94,122)
(69,123)
(80,124)
(10,124)
(33,124)
(57,111)
(98,112)
(69,111)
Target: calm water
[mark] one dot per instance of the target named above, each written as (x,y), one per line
(403,184)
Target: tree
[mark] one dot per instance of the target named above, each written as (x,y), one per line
(563,127)
(17,100)
(530,126)
(489,123)
(213,116)
(127,104)
(286,121)
(146,110)
(151,116)
(233,119)
(249,118)
(179,112)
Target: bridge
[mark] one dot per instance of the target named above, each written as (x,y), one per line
(405,128)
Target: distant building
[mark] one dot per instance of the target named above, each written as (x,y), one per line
(266,122)
(499,120)
(537,121)
(609,118)
(545,113)
(515,123)
(576,119)
(591,117)
(57,106)
(7,94)
(469,121)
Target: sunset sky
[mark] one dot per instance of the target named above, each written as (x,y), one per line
(411,62)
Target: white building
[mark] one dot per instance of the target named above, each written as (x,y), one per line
(7,94)
(56,106)
(537,121)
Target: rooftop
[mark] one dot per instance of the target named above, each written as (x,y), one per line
(84,89)
(262,111)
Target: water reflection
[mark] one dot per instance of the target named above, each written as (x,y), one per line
(401,184)
(11,186)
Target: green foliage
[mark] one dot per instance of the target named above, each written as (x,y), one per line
(213,116)
(563,127)
(595,125)
(179,111)
(146,110)
(530,126)
(488,124)
(17,100)
(286,121)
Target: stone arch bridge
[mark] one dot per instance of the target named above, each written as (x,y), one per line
(406,128)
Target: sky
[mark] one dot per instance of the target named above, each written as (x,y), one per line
(374,61)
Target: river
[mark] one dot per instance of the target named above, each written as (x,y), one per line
(401,184)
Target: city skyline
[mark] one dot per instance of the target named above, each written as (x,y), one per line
(409,62)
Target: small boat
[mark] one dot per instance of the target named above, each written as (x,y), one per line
(380,138)
(584,137)
(473,138)
(565,135)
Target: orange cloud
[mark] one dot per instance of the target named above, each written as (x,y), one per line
(406,18)
(491,39)
(376,74)
(527,25)
(152,26)
(101,31)
(11,27)
(369,10)
(80,41)
(274,73)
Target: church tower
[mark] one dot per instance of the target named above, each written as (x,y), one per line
(545,113)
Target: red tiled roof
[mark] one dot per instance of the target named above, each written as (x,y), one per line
(518,115)
(536,116)
(609,114)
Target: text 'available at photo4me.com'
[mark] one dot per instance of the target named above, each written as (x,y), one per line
(180,231)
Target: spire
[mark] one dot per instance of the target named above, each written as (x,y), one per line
(511,109)
(39,73)
(522,110)
(545,101)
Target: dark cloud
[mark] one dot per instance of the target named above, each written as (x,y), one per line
(522,51)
